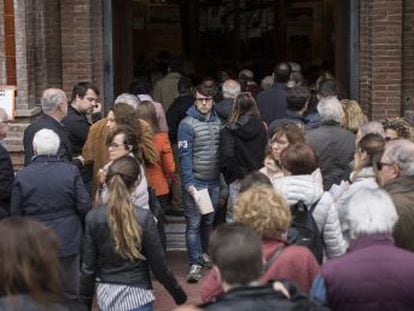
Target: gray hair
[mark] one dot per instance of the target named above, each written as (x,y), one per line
(401,152)
(267,82)
(128,99)
(370,211)
(330,109)
(231,88)
(373,127)
(51,98)
(46,142)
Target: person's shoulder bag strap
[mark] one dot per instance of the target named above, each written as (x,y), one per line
(276,253)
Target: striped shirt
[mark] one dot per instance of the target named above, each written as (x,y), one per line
(118,297)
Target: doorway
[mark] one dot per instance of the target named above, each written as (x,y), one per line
(212,35)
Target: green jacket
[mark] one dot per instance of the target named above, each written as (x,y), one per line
(402,193)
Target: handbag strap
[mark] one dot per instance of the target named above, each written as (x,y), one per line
(272,259)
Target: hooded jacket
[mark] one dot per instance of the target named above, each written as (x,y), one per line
(307,189)
(242,148)
(198,145)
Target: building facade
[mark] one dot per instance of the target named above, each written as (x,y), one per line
(57,43)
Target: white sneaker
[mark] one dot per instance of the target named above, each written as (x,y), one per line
(195,274)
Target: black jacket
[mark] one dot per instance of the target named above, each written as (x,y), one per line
(52,192)
(224,109)
(177,112)
(263,298)
(45,121)
(242,148)
(6,181)
(100,260)
(78,126)
(27,303)
(272,103)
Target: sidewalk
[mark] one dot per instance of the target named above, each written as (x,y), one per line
(177,261)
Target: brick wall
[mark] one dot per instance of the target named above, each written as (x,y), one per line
(381,57)
(3,74)
(408,56)
(81,33)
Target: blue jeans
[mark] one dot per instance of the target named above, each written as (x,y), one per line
(147,307)
(198,227)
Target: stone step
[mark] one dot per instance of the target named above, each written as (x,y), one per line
(175,232)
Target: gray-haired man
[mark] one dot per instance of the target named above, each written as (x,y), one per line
(55,108)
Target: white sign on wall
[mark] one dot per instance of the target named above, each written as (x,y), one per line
(8,100)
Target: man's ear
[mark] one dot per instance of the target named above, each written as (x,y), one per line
(397,171)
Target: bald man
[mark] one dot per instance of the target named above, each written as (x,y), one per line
(55,108)
(231,88)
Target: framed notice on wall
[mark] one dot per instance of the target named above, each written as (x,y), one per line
(8,100)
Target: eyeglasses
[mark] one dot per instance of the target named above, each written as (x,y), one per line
(204,99)
(116,145)
(390,138)
(380,165)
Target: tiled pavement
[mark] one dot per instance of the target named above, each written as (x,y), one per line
(178,264)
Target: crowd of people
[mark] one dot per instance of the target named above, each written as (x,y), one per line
(289,193)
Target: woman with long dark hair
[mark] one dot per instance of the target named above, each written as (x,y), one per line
(121,244)
(242,144)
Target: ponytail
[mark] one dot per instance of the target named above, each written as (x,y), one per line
(125,229)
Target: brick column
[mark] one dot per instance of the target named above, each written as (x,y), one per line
(408,56)
(81,33)
(3,73)
(381,57)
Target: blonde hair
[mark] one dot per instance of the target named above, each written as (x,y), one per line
(354,117)
(125,229)
(264,210)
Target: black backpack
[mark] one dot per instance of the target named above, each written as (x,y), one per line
(304,230)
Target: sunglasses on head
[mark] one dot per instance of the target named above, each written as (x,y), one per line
(380,165)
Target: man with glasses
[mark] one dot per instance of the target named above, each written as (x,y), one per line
(198,144)
(395,173)
(6,168)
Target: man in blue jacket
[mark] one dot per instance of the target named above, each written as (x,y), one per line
(198,143)
(51,191)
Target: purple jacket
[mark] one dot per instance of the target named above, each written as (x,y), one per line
(373,275)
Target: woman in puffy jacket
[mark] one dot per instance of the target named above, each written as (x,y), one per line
(369,150)
(121,243)
(298,162)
